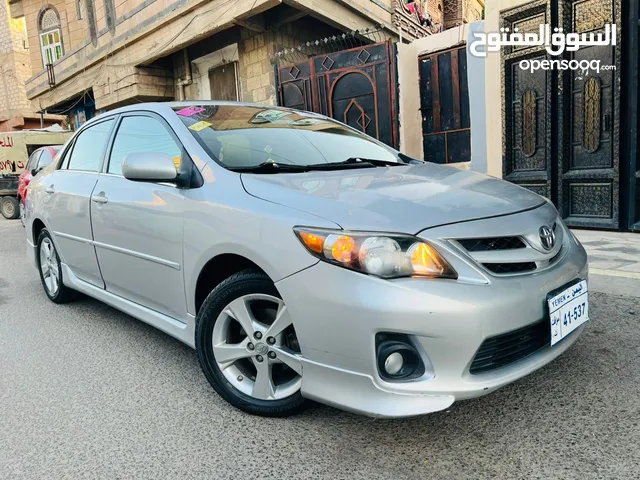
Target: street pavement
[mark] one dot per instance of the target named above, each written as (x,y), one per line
(89,392)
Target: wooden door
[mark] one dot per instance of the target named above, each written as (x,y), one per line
(223,82)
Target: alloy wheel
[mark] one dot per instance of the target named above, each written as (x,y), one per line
(49,266)
(256,349)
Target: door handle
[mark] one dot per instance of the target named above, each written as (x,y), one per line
(50,189)
(100,198)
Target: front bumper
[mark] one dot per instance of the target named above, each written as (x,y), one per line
(337,313)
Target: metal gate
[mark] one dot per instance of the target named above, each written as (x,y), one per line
(355,86)
(444,106)
(561,134)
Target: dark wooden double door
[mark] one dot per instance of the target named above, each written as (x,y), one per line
(562,128)
(355,86)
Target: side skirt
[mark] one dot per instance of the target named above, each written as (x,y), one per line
(181,330)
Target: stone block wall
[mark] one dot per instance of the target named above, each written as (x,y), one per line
(257,78)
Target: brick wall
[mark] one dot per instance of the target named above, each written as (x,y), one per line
(435,9)
(257,80)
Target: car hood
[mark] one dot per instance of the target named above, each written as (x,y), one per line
(404,199)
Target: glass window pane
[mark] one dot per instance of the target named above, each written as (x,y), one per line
(89,147)
(142,135)
(33,160)
(45,158)
(56,36)
(45,40)
(58,52)
(245,136)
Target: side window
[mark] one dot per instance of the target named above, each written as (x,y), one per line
(45,159)
(89,147)
(33,160)
(142,135)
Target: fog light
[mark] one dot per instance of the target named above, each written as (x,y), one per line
(394,363)
(397,357)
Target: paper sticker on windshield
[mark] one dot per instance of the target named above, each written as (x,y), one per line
(190,111)
(196,127)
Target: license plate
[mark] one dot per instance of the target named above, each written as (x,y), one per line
(568,310)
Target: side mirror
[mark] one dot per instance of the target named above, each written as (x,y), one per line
(149,167)
(34,172)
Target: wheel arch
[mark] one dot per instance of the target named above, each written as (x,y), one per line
(216,270)
(36,227)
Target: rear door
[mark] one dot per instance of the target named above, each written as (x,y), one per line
(67,199)
(137,226)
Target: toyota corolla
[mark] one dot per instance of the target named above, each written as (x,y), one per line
(304,260)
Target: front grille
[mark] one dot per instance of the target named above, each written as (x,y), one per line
(489,244)
(506,268)
(501,350)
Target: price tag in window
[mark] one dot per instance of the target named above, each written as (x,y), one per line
(196,127)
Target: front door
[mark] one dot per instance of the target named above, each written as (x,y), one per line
(589,122)
(67,204)
(137,226)
(561,135)
(223,82)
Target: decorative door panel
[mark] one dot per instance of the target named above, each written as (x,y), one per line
(527,116)
(444,106)
(355,86)
(295,86)
(588,167)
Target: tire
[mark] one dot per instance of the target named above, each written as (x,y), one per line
(22,212)
(239,287)
(9,208)
(62,293)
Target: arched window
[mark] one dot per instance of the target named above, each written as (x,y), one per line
(50,35)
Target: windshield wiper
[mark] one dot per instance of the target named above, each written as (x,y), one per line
(355,162)
(271,167)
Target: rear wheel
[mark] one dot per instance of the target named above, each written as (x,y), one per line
(51,271)
(248,348)
(9,208)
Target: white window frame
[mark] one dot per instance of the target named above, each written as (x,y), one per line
(51,46)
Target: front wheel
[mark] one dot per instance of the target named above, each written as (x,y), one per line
(9,208)
(248,348)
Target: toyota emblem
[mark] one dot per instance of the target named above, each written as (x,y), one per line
(547,237)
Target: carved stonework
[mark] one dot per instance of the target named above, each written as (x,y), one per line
(49,20)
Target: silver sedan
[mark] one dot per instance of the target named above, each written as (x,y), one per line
(305,260)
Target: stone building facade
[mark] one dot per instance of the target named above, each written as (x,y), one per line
(90,55)
(16,111)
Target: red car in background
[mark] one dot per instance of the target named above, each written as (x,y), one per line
(39,159)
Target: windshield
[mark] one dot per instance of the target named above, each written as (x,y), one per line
(242,137)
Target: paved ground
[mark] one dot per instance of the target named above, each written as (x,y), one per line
(614,253)
(88,392)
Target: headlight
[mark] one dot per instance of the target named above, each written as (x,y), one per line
(382,255)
